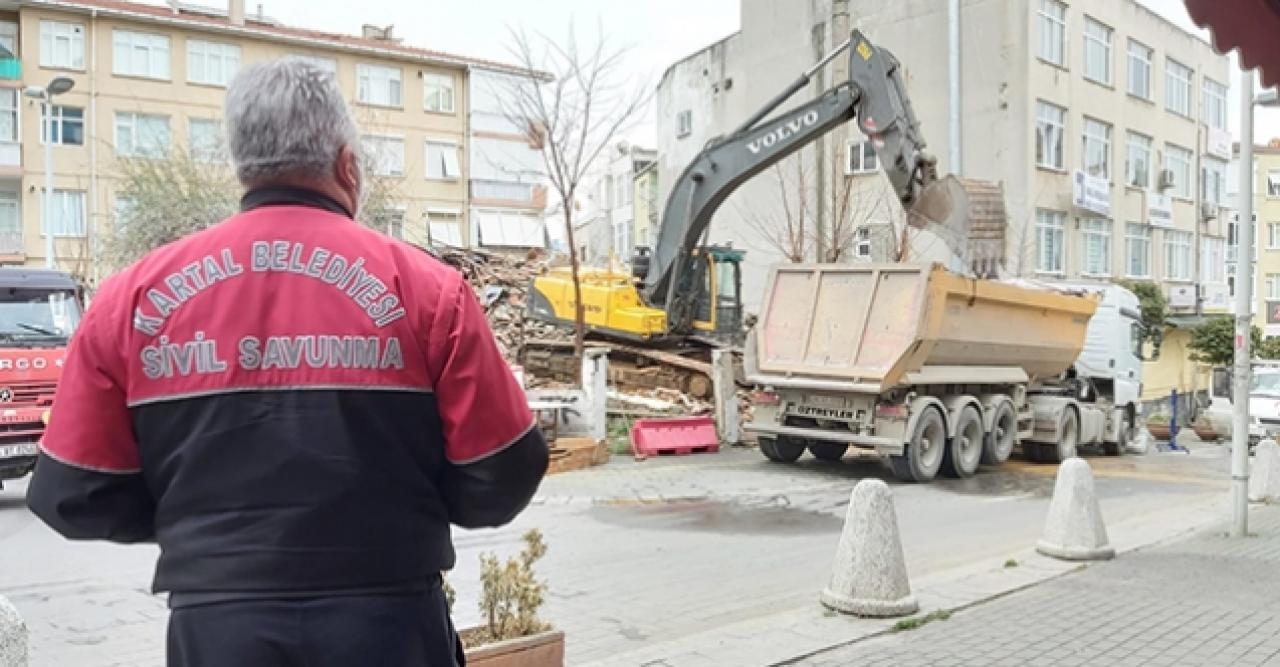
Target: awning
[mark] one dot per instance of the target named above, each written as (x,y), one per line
(1251,26)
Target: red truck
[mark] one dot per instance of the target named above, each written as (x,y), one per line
(39,309)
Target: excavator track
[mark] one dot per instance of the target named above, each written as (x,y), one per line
(630,366)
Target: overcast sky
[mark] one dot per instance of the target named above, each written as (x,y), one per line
(661,31)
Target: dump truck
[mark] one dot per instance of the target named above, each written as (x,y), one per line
(939,372)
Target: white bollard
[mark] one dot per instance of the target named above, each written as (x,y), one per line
(869,577)
(1074,529)
(1264,478)
(595,388)
(13,636)
(726,395)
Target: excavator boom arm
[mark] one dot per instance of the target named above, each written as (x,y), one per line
(874,94)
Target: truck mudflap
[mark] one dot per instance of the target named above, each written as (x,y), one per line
(888,446)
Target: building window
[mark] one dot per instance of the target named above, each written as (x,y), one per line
(1213,179)
(1050,233)
(378,85)
(205,136)
(9,114)
(390,221)
(1177,255)
(442,161)
(684,124)
(68,213)
(1097,148)
(1137,166)
(1137,243)
(439,92)
(1097,52)
(1215,104)
(1051,126)
(10,222)
(445,227)
(1273,236)
(1053,32)
(326,64)
(385,154)
(1213,261)
(67,126)
(1178,161)
(211,63)
(1139,70)
(1097,247)
(140,54)
(141,135)
(862,158)
(9,37)
(622,240)
(61,44)
(1273,183)
(1273,287)
(1177,87)
(862,243)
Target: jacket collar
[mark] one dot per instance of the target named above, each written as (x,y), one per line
(290,196)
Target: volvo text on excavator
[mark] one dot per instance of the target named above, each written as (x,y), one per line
(683,298)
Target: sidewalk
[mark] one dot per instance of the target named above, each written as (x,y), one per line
(1205,600)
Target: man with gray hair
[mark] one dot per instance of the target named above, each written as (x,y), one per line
(294,407)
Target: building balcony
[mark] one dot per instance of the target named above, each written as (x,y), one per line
(507,192)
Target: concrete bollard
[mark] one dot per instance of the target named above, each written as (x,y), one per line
(869,577)
(1264,479)
(1074,529)
(13,636)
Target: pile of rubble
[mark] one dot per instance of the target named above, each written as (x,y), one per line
(502,284)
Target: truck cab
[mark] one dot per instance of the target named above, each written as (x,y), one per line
(39,310)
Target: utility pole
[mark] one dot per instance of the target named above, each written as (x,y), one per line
(1244,321)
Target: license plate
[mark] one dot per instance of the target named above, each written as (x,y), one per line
(14,451)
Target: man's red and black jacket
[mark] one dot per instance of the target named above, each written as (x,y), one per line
(289,404)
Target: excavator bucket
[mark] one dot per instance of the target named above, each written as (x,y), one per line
(967,215)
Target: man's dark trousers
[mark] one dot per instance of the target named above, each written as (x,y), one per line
(338,631)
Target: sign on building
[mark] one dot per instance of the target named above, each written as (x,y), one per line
(1091,193)
(1182,296)
(1217,298)
(1159,209)
(1273,312)
(1218,143)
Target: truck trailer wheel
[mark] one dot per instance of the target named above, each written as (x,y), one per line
(964,451)
(1126,436)
(1068,438)
(828,451)
(1004,434)
(924,450)
(781,450)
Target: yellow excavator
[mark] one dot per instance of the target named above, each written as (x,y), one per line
(682,298)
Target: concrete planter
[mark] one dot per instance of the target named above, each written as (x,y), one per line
(545,649)
(1206,433)
(1159,431)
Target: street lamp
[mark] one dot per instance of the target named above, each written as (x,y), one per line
(45,94)
(1244,312)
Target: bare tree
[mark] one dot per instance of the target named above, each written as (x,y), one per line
(574,100)
(788,232)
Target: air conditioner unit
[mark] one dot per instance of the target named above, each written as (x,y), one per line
(1208,210)
(1165,181)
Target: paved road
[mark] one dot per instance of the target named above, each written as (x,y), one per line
(1207,601)
(640,553)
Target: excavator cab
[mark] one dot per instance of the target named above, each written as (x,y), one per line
(718,311)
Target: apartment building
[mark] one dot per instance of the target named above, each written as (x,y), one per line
(1266,210)
(152,79)
(1104,122)
(605,225)
(508,186)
